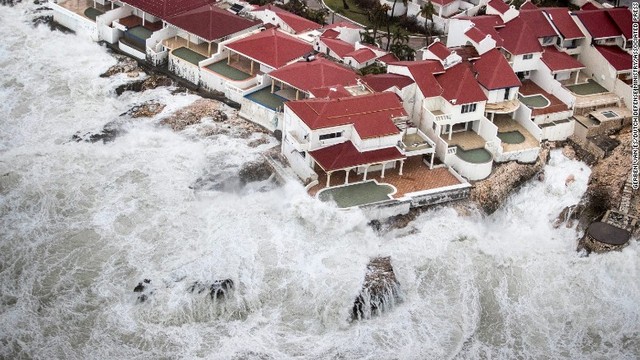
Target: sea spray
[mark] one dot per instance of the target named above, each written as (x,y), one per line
(83,223)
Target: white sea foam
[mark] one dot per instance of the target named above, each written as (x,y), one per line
(83,223)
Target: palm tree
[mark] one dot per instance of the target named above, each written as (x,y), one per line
(366,37)
(345,5)
(377,16)
(389,18)
(427,11)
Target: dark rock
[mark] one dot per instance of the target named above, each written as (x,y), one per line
(380,291)
(124,65)
(135,86)
(10,2)
(108,133)
(147,281)
(152,82)
(142,298)
(197,287)
(253,171)
(147,109)
(219,289)
(139,288)
(568,214)
(277,134)
(257,142)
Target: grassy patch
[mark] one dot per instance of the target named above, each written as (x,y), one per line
(354,13)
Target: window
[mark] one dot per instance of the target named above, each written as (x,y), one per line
(506,93)
(331,136)
(547,40)
(527,56)
(468,108)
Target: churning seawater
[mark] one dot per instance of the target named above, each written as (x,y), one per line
(81,224)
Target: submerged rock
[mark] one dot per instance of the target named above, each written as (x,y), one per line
(146,109)
(108,133)
(152,82)
(10,2)
(257,170)
(568,215)
(380,291)
(218,290)
(138,288)
(124,65)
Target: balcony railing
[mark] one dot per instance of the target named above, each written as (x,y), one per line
(299,143)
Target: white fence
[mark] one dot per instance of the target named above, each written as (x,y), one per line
(523,117)
(75,22)
(104,23)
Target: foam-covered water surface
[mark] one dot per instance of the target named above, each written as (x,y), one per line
(81,224)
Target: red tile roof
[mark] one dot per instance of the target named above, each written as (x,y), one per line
(341,48)
(598,23)
(362,55)
(371,115)
(537,22)
(494,71)
(319,73)
(518,38)
(423,72)
(345,155)
(618,58)
(211,23)
(330,92)
(589,6)
(499,5)
(622,18)
(382,82)
(165,8)
(297,23)
(330,34)
(475,34)
(458,83)
(439,49)
(487,24)
(271,47)
(563,21)
(390,57)
(559,61)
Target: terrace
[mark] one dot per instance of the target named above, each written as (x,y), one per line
(268,99)
(90,9)
(514,136)
(133,21)
(416,176)
(177,42)
(540,101)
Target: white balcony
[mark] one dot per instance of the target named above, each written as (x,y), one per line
(298,142)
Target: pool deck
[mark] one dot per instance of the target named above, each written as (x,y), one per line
(467,140)
(416,177)
(79,6)
(507,124)
(132,21)
(529,88)
(202,49)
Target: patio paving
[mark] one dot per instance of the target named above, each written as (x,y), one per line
(589,88)
(506,124)
(230,72)
(86,8)
(416,177)
(178,42)
(188,55)
(467,140)
(529,88)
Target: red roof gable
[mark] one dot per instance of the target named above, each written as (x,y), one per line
(382,82)
(618,58)
(622,18)
(371,115)
(423,72)
(439,49)
(165,8)
(319,73)
(443,2)
(362,55)
(345,155)
(390,57)
(458,83)
(330,34)
(341,48)
(487,24)
(518,38)
(494,71)
(499,5)
(537,22)
(271,47)
(475,34)
(211,23)
(295,22)
(589,6)
(563,21)
(558,61)
(598,23)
